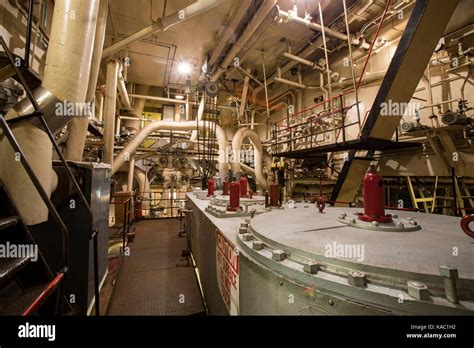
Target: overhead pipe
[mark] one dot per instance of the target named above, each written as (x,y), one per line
(257,19)
(288,82)
(137,111)
(77,129)
(164,23)
(113,66)
(237,140)
(229,31)
(291,17)
(65,79)
(152,127)
(122,89)
(308,51)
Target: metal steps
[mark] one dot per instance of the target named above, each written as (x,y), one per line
(10,266)
(8,222)
(22,300)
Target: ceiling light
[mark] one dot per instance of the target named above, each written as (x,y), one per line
(184,67)
(179,96)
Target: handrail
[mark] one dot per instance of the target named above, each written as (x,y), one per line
(33,308)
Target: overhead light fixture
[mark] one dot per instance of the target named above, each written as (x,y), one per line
(179,96)
(184,67)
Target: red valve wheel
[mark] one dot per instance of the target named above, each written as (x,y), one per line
(465,221)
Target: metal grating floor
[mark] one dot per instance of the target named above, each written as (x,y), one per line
(155,279)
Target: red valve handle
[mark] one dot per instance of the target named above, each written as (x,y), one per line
(321,204)
(465,221)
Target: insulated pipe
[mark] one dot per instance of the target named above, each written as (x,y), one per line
(152,127)
(77,129)
(229,31)
(237,140)
(257,19)
(131,170)
(65,78)
(164,23)
(318,27)
(134,125)
(122,88)
(308,51)
(110,109)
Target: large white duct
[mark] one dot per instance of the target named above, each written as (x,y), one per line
(239,136)
(134,125)
(113,68)
(77,129)
(65,78)
(152,127)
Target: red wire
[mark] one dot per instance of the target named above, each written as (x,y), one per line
(373,41)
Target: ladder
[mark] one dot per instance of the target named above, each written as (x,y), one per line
(429,203)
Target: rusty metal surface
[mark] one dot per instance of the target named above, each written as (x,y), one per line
(155,279)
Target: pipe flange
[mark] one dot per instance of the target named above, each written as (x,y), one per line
(403,225)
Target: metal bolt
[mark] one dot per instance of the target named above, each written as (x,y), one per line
(400,224)
(353,221)
(331,302)
(418,290)
(278,255)
(243,230)
(357,278)
(311,267)
(342,215)
(450,274)
(375,223)
(257,245)
(247,237)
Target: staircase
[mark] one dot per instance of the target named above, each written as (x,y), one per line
(24,275)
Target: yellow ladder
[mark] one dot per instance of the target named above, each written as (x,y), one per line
(429,203)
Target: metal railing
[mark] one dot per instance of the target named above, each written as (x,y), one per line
(158,204)
(127,217)
(307,129)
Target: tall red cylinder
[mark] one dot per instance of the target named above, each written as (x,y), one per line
(225,188)
(244,187)
(210,187)
(374,198)
(274,195)
(234,199)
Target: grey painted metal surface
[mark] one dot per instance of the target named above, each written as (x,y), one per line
(308,281)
